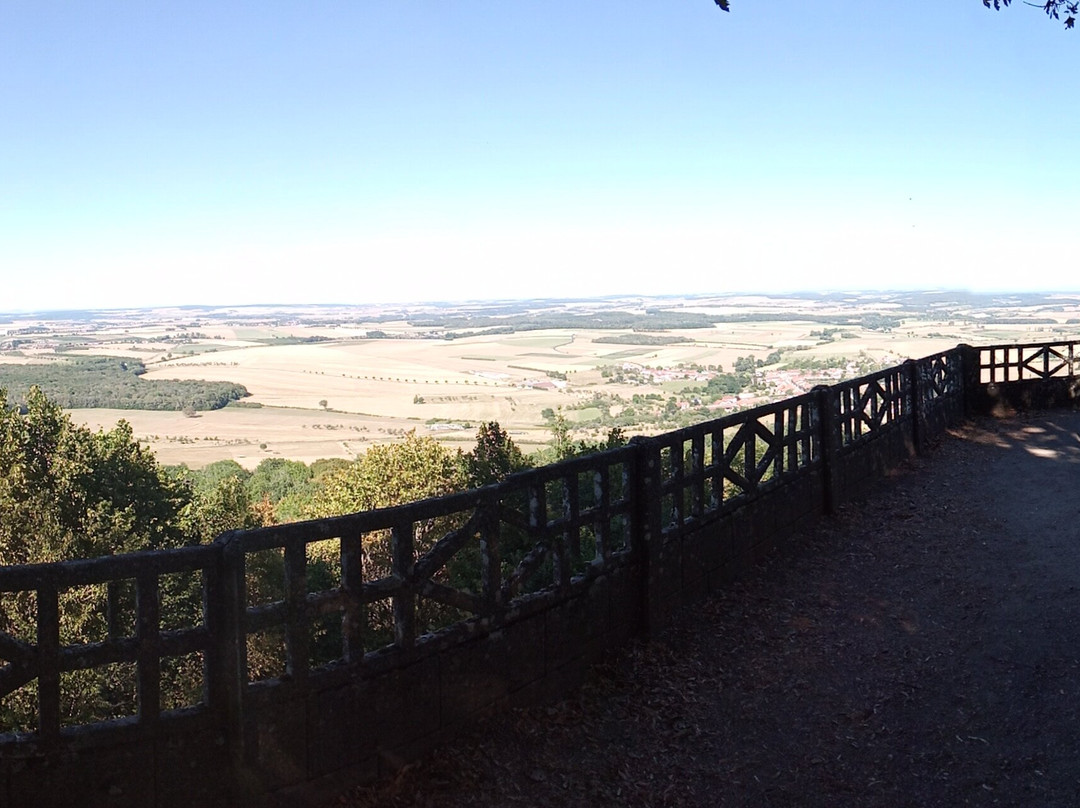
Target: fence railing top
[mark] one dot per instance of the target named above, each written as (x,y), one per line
(86,571)
(730,420)
(431,508)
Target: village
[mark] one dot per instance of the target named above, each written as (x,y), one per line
(760,383)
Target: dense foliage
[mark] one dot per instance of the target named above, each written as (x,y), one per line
(390,474)
(67,492)
(79,493)
(114,383)
(495,457)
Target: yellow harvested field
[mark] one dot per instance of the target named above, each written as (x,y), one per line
(250,435)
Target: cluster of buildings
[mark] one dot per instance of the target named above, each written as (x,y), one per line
(543,384)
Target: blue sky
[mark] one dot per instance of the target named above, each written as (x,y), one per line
(353,152)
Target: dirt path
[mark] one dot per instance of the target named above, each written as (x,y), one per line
(920,649)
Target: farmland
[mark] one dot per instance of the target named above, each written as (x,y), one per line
(329,381)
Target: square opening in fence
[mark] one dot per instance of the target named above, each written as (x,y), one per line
(583,547)
(181,600)
(535,570)
(323,565)
(670,461)
(266,657)
(464,570)
(455,590)
(618,534)
(378,555)
(515,542)
(182,679)
(19,709)
(264,576)
(554,500)
(378,630)
(85,615)
(712,457)
(514,506)
(618,482)
(733,463)
(121,614)
(432,616)
(326,646)
(97,694)
(18,616)
(589,492)
(711,448)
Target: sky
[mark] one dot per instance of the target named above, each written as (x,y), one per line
(172,153)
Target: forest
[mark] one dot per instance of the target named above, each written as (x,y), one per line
(113,383)
(651,320)
(637,338)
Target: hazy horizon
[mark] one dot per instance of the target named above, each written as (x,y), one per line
(803,294)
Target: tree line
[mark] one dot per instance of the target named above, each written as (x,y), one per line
(651,320)
(113,383)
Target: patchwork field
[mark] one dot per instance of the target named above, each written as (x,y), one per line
(330,382)
(249,435)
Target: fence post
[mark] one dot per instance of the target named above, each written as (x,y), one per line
(404,559)
(648,534)
(48,650)
(353,621)
(148,633)
(297,633)
(970,376)
(226,605)
(827,427)
(915,390)
(490,561)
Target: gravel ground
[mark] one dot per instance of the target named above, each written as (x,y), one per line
(918,649)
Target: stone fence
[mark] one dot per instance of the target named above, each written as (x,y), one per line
(352,665)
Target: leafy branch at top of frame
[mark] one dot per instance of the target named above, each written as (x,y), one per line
(1053,8)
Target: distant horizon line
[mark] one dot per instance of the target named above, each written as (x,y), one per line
(796,293)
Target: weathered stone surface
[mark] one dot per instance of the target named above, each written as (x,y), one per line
(572,626)
(523,646)
(118,776)
(471,678)
(403,705)
(281,738)
(625,603)
(703,549)
(333,739)
(742,533)
(193,769)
